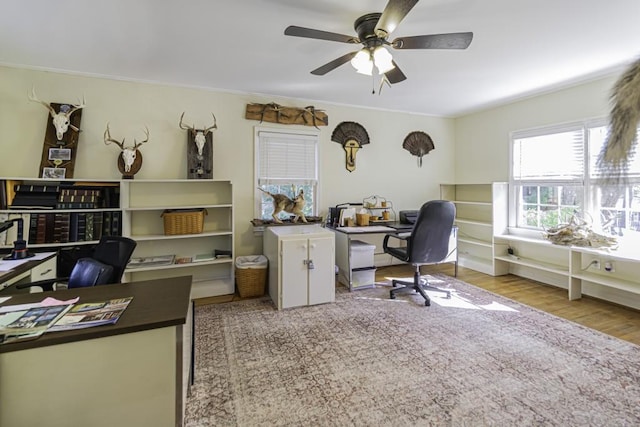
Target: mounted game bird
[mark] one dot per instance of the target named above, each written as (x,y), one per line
(418,143)
(352,136)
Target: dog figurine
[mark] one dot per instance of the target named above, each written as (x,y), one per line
(284,203)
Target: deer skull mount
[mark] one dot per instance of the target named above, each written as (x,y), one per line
(61,120)
(199,149)
(352,136)
(130,159)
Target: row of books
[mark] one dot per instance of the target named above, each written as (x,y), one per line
(63,227)
(57,196)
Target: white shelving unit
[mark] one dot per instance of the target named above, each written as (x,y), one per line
(481,213)
(144,201)
(140,204)
(571,267)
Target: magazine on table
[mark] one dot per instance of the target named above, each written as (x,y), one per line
(29,323)
(91,314)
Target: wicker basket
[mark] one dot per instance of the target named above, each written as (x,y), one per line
(251,281)
(189,221)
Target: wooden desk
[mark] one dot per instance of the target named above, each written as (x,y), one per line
(132,373)
(344,235)
(30,271)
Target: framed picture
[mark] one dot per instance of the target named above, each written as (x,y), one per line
(59,154)
(54,173)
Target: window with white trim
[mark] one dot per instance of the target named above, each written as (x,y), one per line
(554,175)
(286,162)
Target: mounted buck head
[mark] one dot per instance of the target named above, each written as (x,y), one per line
(199,135)
(61,120)
(129,154)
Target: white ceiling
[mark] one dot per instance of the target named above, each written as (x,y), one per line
(520,47)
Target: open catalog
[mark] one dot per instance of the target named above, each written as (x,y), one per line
(29,322)
(91,314)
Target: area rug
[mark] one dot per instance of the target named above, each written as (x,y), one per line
(477,359)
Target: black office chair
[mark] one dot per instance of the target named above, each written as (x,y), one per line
(105,266)
(428,243)
(115,251)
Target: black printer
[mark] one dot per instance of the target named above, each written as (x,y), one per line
(408,217)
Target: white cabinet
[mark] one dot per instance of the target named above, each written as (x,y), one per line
(144,201)
(301,265)
(481,213)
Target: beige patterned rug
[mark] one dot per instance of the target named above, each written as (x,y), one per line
(477,359)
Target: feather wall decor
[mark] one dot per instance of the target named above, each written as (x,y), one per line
(352,136)
(624,119)
(418,144)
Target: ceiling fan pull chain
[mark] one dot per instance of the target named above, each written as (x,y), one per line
(373,84)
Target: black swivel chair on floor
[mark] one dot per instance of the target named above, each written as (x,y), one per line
(105,266)
(428,243)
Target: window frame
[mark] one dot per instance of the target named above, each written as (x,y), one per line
(591,194)
(313,137)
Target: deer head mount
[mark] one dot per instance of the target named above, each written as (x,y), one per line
(130,159)
(199,149)
(62,119)
(199,135)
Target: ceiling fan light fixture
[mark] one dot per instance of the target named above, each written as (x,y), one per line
(362,62)
(383,60)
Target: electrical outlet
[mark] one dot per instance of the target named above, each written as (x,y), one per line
(608,267)
(595,264)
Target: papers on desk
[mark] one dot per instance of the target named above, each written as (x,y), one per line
(368,229)
(10,265)
(29,323)
(91,314)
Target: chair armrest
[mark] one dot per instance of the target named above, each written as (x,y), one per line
(46,285)
(403,236)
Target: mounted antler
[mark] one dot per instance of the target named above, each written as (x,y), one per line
(108,139)
(199,135)
(61,120)
(129,154)
(137,144)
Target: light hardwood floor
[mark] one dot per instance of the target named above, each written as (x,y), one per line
(612,319)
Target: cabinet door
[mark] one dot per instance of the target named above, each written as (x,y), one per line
(293,289)
(322,280)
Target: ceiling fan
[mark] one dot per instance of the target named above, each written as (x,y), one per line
(373,29)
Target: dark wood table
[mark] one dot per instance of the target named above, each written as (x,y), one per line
(132,373)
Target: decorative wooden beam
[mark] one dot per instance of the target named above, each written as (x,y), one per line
(275,113)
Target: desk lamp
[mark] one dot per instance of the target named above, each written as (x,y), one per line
(19,250)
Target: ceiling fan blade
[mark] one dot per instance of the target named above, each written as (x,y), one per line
(393,13)
(395,75)
(329,66)
(434,41)
(293,30)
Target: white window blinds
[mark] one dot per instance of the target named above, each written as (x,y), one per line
(287,158)
(557,156)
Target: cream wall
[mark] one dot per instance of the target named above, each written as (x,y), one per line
(383,167)
(482,139)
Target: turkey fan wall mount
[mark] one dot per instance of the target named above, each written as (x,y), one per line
(418,144)
(373,30)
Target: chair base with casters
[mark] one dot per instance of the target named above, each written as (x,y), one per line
(428,243)
(417,285)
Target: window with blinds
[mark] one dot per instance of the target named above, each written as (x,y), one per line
(286,162)
(554,175)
